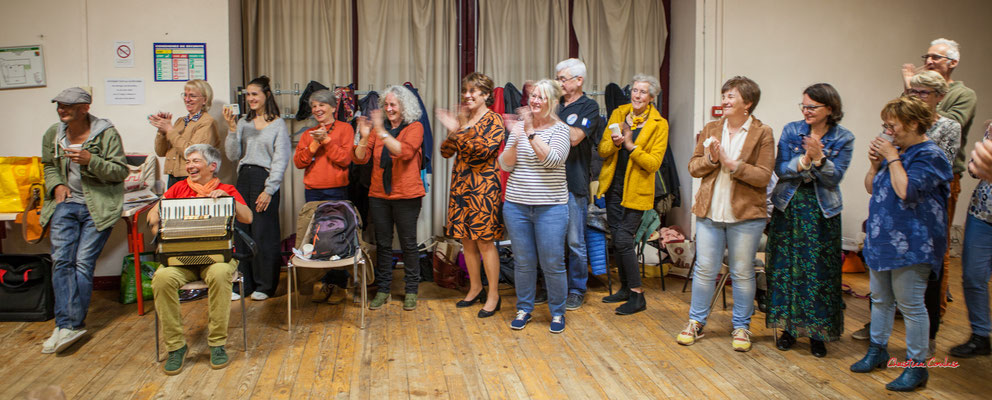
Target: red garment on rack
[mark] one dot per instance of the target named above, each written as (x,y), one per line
(499,106)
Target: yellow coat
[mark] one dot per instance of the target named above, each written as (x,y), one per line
(639,178)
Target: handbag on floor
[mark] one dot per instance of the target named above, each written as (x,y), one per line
(26,287)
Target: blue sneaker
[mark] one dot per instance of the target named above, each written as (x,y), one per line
(557,324)
(518,323)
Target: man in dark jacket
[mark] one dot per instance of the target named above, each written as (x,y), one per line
(581,113)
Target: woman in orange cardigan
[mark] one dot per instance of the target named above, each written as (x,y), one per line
(324,151)
(633,147)
(735,157)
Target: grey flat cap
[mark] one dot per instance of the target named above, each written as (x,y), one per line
(73,95)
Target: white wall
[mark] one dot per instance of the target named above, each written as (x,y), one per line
(78,42)
(857,46)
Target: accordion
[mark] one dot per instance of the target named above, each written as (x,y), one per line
(196,231)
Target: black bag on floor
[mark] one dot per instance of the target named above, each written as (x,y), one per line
(26,288)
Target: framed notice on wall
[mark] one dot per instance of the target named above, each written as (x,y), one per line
(22,67)
(180,62)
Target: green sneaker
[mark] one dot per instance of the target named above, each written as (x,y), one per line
(218,357)
(379,301)
(174,364)
(410,301)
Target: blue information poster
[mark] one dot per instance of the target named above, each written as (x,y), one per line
(180,62)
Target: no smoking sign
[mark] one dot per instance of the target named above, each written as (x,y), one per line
(123,50)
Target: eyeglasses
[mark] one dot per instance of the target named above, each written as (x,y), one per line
(563,79)
(810,108)
(185,95)
(920,93)
(935,57)
(888,128)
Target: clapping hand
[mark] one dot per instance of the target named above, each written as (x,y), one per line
(449,120)
(527,116)
(814,149)
(981,160)
(364,127)
(162,121)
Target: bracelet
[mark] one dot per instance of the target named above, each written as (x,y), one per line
(896,160)
(819,163)
(802,163)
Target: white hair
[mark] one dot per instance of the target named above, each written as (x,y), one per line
(210,153)
(654,87)
(574,66)
(408,101)
(953,48)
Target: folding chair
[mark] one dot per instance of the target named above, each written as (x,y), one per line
(359,262)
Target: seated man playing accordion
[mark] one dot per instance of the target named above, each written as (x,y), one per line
(202,161)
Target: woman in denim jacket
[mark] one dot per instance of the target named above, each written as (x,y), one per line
(804,235)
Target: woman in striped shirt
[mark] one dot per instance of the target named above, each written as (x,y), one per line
(536,206)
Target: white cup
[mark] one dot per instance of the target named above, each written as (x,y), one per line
(615,128)
(307,250)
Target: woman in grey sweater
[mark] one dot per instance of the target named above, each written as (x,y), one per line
(260,144)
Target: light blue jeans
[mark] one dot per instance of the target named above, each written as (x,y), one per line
(537,234)
(976,267)
(578,260)
(903,286)
(741,240)
(76,244)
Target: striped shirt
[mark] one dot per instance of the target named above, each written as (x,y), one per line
(533,182)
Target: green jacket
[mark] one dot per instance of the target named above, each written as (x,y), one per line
(959,104)
(102,179)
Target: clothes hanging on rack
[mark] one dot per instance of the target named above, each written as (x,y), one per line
(499,106)
(303,111)
(667,182)
(614,98)
(511,97)
(428,145)
(347,103)
(369,102)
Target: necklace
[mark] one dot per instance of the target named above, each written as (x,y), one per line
(639,119)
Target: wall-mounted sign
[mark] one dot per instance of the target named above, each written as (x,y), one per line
(124,54)
(180,62)
(21,67)
(125,91)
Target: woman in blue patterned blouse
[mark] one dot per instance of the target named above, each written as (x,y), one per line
(907,233)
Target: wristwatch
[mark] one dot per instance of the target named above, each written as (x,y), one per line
(531,136)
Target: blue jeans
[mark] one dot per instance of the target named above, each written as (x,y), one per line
(337,193)
(905,287)
(741,240)
(578,260)
(76,244)
(537,233)
(976,266)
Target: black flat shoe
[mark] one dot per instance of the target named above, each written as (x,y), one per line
(480,298)
(818,348)
(486,314)
(785,342)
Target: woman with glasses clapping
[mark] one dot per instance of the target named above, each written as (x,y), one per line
(195,128)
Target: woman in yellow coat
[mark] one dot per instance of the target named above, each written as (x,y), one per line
(633,147)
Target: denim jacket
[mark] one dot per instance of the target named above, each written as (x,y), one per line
(838,144)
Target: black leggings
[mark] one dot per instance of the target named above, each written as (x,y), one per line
(403,215)
(262,272)
(623,223)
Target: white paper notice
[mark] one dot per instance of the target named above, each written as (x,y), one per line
(124,54)
(125,91)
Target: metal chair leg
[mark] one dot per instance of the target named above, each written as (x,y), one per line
(289,301)
(157,354)
(719,288)
(661,270)
(688,275)
(364,294)
(244,317)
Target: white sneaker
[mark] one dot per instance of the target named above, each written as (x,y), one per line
(48,347)
(259,296)
(67,337)
(235,296)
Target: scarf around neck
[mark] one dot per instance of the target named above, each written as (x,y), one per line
(203,190)
(386,159)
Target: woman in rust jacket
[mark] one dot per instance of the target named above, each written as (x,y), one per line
(735,157)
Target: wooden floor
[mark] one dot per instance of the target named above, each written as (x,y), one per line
(439,351)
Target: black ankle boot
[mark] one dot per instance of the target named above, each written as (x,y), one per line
(975,346)
(818,348)
(633,305)
(620,295)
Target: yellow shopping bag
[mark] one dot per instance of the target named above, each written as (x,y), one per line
(17,175)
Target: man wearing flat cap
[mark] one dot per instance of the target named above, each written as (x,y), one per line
(84,194)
